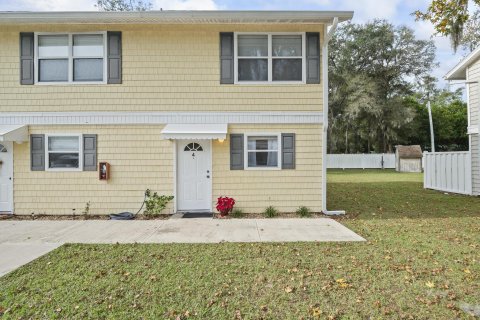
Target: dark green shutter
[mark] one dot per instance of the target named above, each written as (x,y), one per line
(114,57)
(26,58)
(226,58)
(313,57)
(288,150)
(37,152)
(236,152)
(89,152)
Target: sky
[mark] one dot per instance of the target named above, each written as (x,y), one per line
(397,12)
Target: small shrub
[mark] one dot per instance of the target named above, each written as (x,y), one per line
(304,212)
(154,203)
(86,210)
(237,213)
(225,205)
(270,212)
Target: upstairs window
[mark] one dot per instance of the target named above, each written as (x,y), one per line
(70,58)
(270,58)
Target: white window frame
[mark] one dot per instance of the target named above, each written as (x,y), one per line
(80,151)
(70,58)
(262,134)
(269,58)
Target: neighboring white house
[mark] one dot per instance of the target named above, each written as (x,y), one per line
(466,166)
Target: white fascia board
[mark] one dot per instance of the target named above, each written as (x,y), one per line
(459,72)
(99,118)
(176,17)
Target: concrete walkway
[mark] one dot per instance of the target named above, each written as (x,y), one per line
(23,241)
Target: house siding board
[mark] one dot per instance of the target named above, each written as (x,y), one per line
(287,190)
(164,68)
(474,106)
(140,159)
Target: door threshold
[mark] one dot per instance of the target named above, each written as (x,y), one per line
(196,214)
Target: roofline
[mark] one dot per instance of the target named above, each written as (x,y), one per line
(173,16)
(457,72)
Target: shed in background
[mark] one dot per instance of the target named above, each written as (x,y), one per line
(408,158)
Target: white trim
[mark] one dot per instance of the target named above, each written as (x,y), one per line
(195,131)
(17,133)
(80,152)
(327,34)
(262,134)
(175,206)
(70,58)
(459,72)
(269,58)
(257,17)
(75,118)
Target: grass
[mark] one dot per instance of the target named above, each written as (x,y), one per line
(420,262)
(383,194)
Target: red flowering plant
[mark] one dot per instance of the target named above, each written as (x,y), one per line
(225,205)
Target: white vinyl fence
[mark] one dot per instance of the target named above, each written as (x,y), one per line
(361,161)
(448,171)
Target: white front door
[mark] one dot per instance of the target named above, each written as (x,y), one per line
(194,175)
(6,177)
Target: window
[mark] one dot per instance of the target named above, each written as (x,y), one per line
(193,147)
(270,58)
(64,152)
(70,58)
(262,151)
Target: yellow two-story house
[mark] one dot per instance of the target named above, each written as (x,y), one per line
(97,107)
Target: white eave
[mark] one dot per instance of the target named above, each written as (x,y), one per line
(460,70)
(195,131)
(175,17)
(17,133)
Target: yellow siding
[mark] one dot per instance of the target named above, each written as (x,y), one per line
(254,190)
(140,159)
(165,68)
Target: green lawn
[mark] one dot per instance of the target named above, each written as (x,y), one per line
(422,261)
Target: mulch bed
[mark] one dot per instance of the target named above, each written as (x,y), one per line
(286,215)
(16,217)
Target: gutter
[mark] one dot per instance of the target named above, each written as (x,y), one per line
(328,36)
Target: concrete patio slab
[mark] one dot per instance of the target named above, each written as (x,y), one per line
(15,255)
(24,241)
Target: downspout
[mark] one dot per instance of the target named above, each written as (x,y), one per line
(328,32)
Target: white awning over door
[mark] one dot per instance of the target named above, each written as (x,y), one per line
(195,131)
(17,133)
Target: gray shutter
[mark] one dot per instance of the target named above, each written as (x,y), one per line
(37,152)
(313,57)
(288,150)
(89,152)
(114,57)
(26,58)
(226,58)
(236,152)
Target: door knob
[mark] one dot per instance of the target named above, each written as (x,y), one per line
(208,177)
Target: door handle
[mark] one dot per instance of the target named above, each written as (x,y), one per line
(208,177)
